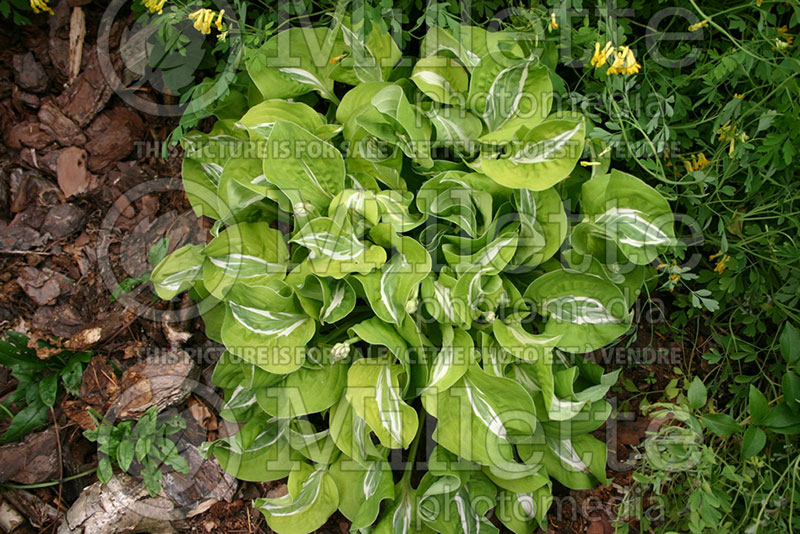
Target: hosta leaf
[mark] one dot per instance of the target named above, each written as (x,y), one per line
(205,155)
(541,158)
(370,58)
(177,272)
(462,511)
(305,391)
(521,513)
(442,79)
(452,362)
(578,463)
(374,392)
(259,452)
(244,251)
(522,344)
(307,169)
(325,239)
(317,446)
(489,259)
(543,226)
(307,508)
(394,120)
(390,288)
(352,434)
(585,310)
(631,213)
(455,128)
(362,489)
(242,188)
(449,197)
(469,44)
(260,118)
(296,61)
(503,91)
(442,302)
(332,300)
(401,516)
(264,326)
(479,416)
(355,102)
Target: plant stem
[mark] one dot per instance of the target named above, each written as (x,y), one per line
(47,484)
(412,456)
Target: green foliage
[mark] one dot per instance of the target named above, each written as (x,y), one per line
(368,271)
(720,466)
(144,446)
(40,382)
(16,10)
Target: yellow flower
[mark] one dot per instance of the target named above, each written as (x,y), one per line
(699,161)
(40,6)
(697,26)
(601,56)
(738,96)
(218,22)
(589,163)
(155,6)
(202,20)
(553,23)
(759,2)
(783,31)
(624,62)
(722,264)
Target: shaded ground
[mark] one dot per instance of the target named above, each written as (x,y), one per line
(71,149)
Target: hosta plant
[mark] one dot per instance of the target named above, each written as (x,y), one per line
(398,284)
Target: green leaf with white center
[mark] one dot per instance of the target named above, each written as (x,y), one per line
(352,434)
(441,302)
(442,79)
(362,489)
(325,239)
(401,516)
(177,272)
(522,344)
(578,463)
(469,44)
(452,362)
(355,102)
(266,327)
(374,392)
(260,118)
(317,446)
(587,311)
(543,226)
(521,513)
(370,57)
(461,511)
(455,128)
(490,259)
(628,277)
(389,289)
(259,452)
(393,119)
(330,300)
(449,197)
(305,391)
(242,191)
(296,61)
(307,508)
(629,212)
(307,169)
(507,92)
(205,155)
(541,158)
(480,415)
(242,252)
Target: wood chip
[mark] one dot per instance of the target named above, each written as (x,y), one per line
(77,32)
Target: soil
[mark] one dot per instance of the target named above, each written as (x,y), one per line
(71,149)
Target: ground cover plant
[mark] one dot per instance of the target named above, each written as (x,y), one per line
(388,258)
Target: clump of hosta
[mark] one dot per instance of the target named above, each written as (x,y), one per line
(394,266)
